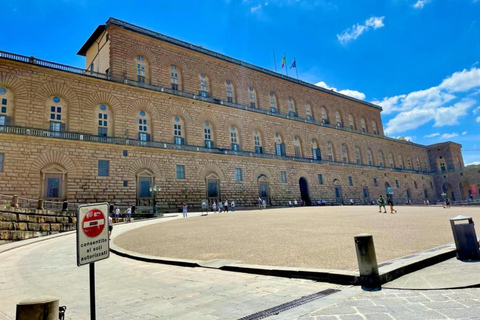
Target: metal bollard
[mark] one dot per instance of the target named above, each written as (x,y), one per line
(14,202)
(367,262)
(40,204)
(44,308)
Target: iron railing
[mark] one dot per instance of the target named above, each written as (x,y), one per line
(172,146)
(117,79)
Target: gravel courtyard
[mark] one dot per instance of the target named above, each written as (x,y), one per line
(307,237)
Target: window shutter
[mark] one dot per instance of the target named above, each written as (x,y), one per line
(63,127)
(319,155)
(282,147)
(8,121)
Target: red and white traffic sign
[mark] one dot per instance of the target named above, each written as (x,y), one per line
(92,233)
(93,223)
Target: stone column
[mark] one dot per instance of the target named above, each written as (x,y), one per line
(367,262)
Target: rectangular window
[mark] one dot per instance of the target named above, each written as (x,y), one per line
(238,174)
(4,102)
(1,161)
(125,183)
(350,181)
(103,168)
(375,183)
(320,179)
(230,99)
(174,86)
(180,172)
(141,79)
(3,120)
(102,132)
(4,109)
(284,176)
(125,153)
(54,126)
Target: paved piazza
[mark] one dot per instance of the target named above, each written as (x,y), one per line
(314,237)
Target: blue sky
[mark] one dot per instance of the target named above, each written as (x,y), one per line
(418,59)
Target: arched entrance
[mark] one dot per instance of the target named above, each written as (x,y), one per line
(263,188)
(448,190)
(212,182)
(338,192)
(304,195)
(144,179)
(409,194)
(366,195)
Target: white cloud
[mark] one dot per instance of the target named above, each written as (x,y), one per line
(420,3)
(256,8)
(348,92)
(432,135)
(449,135)
(432,103)
(478,119)
(358,29)
(477,109)
(464,133)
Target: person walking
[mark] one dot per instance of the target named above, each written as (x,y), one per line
(381,203)
(128,212)
(117,214)
(390,203)
(219,206)
(260,203)
(264,204)
(225,206)
(295,202)
(184,208)
(214,206)
(290,203)
(232,206)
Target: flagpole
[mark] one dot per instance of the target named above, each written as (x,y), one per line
(286,64)
(274,61)
(296,69)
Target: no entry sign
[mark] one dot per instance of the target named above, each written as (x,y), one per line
(92,233)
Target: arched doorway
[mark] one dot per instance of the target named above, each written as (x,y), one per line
(366,195)
(409,194)
(212,182)
(304,195)
(144,179)
(263,188)
(448,190)
(338,192)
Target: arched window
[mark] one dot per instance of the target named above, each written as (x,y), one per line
(374,127)
(279,145)
(252,95)
(230,91)
(390,160)
(292,111)
(344,153)
(417,165)
(175,78)
(257,139)
(351,124)
(178,131)
(338,119)
(297,146)
(273,103)
(104,121)
(208,135)
(358,159)
(308,111)
(6,107)
(324,116)
(204,85)
(330,151)
(141,69)
(144,126)
(380,158)
(57,113)
(316,150)
(400,161)
(234,138)
(364,127)
(370,157)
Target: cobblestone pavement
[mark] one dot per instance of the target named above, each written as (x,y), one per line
(389,304)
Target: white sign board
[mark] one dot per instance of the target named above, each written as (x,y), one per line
(92,233)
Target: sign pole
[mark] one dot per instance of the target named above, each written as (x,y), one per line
(92,291)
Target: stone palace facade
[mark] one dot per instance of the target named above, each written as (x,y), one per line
(152,117)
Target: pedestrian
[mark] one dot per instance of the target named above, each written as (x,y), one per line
(390,203)
(232,206)
(214,206)
(129,214)
(301,202)
(225,206)
(110,225)
(219,206)
(260,203)
(290,203)
(428,202)
(352,202)
(184,209)
(295,203)
(447,202)
(381,203)
(264,204)
(117,214)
